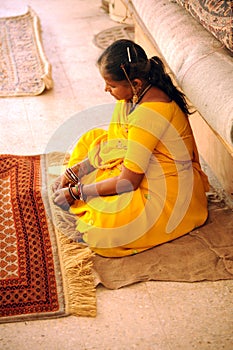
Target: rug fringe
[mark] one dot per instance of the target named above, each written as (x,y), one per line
(78,277)
(75,258)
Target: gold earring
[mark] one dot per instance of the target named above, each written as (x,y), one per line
(135,97)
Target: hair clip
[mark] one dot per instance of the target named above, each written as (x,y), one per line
(128,51)
(152,59)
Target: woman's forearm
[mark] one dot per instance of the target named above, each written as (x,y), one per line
(127,181)
(108,187)
(83,168)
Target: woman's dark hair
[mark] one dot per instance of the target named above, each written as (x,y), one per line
(129,55)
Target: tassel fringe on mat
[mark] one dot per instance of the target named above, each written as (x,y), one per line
(76,258)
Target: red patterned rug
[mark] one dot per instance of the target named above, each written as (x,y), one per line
(32,273)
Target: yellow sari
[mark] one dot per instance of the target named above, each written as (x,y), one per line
(155,139)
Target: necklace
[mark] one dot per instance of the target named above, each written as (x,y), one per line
(139,98)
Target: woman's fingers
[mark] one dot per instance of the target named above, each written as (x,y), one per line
(55,186)
(59,183)
(62,197)
(59,197)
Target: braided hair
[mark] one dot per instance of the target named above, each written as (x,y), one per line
(136,64)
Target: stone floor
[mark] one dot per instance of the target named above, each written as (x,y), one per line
(145,316)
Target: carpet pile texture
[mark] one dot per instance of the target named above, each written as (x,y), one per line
(43,273)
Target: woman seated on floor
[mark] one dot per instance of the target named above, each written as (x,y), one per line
(138,184)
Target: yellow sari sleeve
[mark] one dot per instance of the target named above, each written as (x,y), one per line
(145,129)
(140,147)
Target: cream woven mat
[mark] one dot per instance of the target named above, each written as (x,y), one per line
(24,69)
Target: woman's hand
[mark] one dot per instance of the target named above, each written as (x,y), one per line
(60,182)
(62,198)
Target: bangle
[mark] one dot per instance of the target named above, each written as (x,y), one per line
(79,189)
(66,176)
(82,197)
(72,194)
(71,176)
